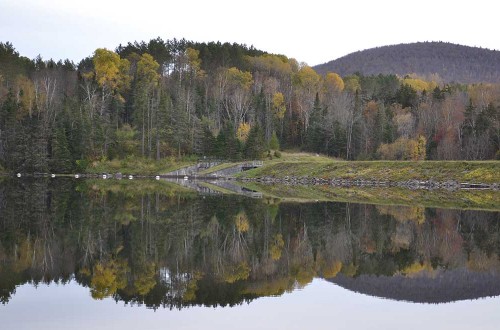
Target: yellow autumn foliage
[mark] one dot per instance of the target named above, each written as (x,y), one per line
(111,73)
(279,107)
(192,286)
(416,268)
(403,149)
(25,94)
(349,270)
(307,78)
(241,222)
(107,278)
(237,272)
(419,84)
(270,287)
(193,56)
(145,280)
(352,84)
(272,64)
(331,269)
(277,247)
(404,213)
(333,82)
(239,79)
(147,70)
(243,131)
(304,276)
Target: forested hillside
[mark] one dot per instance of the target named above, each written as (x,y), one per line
(174,98)
(436,60)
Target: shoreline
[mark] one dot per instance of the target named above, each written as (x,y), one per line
(425,174)
(360,183)
(307,169)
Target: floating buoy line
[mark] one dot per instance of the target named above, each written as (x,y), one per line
(103,176)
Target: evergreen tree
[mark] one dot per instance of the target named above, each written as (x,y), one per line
(227,146)
(233,145)
(209,142)
(220,145)
(37,156)
(274,143)
(406,96)
(255,145)
(314,137)
(379,126)
(389,128)
(337,144)
(8,130)
(61,156)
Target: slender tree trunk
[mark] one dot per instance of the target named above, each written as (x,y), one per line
(143,129)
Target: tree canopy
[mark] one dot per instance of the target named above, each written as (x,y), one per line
(162,99)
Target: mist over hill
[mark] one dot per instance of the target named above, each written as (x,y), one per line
(453,63)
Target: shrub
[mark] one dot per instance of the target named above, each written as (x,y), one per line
(403,149)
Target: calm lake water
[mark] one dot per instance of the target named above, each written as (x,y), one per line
(109,254)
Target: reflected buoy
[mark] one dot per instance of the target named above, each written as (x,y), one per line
(52,175)
(130,177)
(77,176)
(157,177)
(18,175)
(104,176)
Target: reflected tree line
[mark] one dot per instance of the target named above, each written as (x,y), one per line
(149,243)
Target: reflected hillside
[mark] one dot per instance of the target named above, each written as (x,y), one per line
(440,287)
(158,245)
(470,199)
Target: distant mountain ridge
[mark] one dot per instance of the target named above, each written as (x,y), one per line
(452,62)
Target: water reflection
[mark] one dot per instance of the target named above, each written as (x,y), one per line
(156,244)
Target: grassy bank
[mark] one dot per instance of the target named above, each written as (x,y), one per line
(440,198)
(327,168)
(142,166)
(135,188)
(129,165)
(219,167)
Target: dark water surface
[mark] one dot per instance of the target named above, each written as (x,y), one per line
(153,255)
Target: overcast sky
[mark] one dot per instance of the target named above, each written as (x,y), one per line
(311,31)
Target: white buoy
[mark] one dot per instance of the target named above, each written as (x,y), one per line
(18,175)
(77,176)
(52,175)
(157,177)
(130,177)
(185,177)
(104,176)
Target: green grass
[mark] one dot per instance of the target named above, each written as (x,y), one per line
(219,167)
(133,188)
(216,188)
(459,199)
(285,157)
(296,165)
(135,165)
